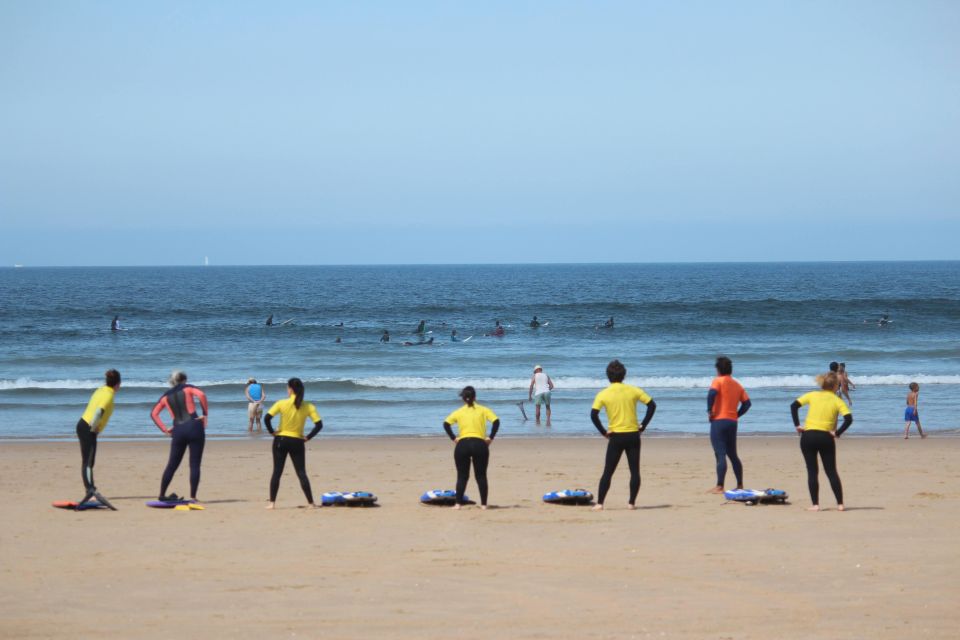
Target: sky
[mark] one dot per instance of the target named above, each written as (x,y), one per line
(161,133)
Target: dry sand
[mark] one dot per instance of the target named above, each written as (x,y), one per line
(684,565)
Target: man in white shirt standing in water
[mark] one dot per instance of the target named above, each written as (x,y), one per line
(540,387)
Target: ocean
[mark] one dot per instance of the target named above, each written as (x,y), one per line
(781,323)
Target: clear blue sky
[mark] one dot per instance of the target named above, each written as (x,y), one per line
(392,132)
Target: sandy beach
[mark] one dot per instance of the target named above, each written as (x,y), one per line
(684,565)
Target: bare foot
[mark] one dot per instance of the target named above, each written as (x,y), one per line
(271,505)
(632,507)
(906,437)
(840,507)
(548,424)
(455,507)
(923,436)
(483,507)
(313,505)
(815,507)
(598,507)
(717,489)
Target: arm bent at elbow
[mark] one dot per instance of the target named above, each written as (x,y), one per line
(595,419)
(847,421)
(744,407)
(651,409)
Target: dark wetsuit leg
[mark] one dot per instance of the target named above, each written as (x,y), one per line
(294,447)
(723,437)
(196,442)
(473,450)
(617,445)
(813,443)
(178,446)
(88,452)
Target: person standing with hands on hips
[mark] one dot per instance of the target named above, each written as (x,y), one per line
(188,430)
(473,444)
(288,439)
(818,435)
(623,436)
(540,387)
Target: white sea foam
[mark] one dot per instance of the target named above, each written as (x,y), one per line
(573,382)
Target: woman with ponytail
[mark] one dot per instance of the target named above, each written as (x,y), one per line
(472,442)
(288,438)
(819,434)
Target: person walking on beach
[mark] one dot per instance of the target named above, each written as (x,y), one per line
(288,439)
(912,414)
(620,400)
(188,430)
(845,383)
(472,443)
(256,396)
(93,421)
(819,434)
(726,403)
(540,387)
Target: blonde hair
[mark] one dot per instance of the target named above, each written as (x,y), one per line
(829,381)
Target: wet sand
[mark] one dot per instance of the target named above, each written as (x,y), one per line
(683,565)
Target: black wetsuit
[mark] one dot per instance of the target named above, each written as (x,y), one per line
(822,443)
(284,446)
(188,432)
(617,445)
(474,450)
(88,452)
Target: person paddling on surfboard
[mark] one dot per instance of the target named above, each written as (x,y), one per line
(421,327)
(623,436)
(115,324)
(270,320)
(187,431)
(93,421)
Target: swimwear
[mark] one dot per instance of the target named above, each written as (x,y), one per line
(723,437)
(542,398)
(825,406)
(102,400)
(476,451)
(255,391)
(471,421)
(185,435)
(813,443)
(617,445)
(911,415)
(729,395)
(181,401)
(620,401)
(254,410)
(284,446)
(292,418)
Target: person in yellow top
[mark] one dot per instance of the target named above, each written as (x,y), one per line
(620,400)
(473,444)
(288,438)
(819,433)
(91,423)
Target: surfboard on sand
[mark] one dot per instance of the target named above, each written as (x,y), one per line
(78,506)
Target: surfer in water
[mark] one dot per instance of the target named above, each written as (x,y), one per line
(608,324)
(453,336)
(421,327)
(187,431)
(115,324)
(498,330)
(422,342)
(819,434)
(473,443)
(620,400)
(385,337)
(535,323)
(270,320)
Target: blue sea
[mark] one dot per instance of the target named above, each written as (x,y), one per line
(781,323)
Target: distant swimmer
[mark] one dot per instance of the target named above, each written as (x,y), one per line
(845,383)
(727,402)
(620,400)
(338,340)
(421,327)
(288,439)
(498,330)
(115,324)
(472,443)
(188,430)
(884,320)
(608,324)
(539,392)
(385,337)
(453,336)
(407,343)
(270,320)
(819,434)
(93,421)
(535,323)
(912,414)
(256,396)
